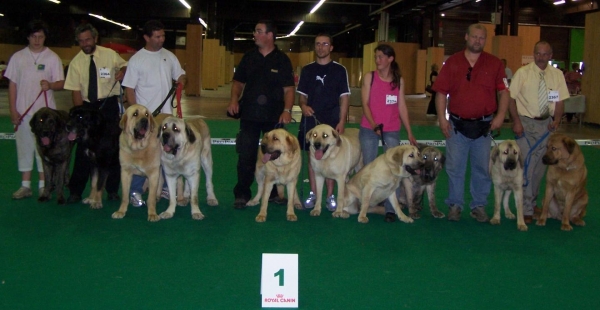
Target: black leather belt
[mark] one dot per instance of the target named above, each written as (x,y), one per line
(470,119)
(540,118)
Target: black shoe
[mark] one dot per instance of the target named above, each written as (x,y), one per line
(240,203)
(113,196)
(390,217)
(74,199)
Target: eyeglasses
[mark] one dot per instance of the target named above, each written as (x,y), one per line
(469,74)
(323,44)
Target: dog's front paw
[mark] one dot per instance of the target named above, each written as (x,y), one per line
(415,215)
(522,227)
(577,221)
(298,206)
(182,202)
(315,212)
(87,201)
(166,215)
(510,216)
(339,214)
(43,198)
(96,205)
(363,219)
(118,215)
(292,217)
(197,216)
(261,218)
(153,218)
(407,220)
(61,200)
(540,222)
(566,227)
(438,214)
(495,221)
(252,203)
(212,202)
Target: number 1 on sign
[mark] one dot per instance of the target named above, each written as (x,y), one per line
(280,274)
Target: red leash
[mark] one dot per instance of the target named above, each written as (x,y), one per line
(178,96)
(31,106)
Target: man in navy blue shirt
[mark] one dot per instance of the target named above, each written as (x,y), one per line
(324,95)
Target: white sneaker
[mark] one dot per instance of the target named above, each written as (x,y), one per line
(22,192)
(136,200)
(310,202)
(331,204)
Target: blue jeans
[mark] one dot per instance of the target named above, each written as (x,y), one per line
(137,183)
(460,149)
(369,143)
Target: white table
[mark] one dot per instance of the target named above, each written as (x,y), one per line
(575,104)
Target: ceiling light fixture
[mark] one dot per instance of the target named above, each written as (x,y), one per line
(202,22)
(559,2)
(296,29)
(110,21)
(317,6)
(55,1)
(185,4)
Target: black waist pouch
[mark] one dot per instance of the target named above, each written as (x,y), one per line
(471,129)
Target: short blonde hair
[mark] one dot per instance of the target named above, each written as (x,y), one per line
(476,26)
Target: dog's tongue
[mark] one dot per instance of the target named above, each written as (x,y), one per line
(167,148)
(266,158)
(45,141)
(319,154)
(142,131)
(72,136)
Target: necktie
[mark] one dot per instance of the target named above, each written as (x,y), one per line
(93,81)
(543,96)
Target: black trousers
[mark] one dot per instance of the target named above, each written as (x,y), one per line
(246,146)
(82,167)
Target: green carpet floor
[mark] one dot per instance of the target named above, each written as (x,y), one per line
(72,257)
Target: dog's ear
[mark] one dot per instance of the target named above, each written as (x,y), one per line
(336,136)
(308,135)
(123,121)
(442,159)
(151,122)
(495,154)
(569,144)
(190,134)
(33,121)
(293,143)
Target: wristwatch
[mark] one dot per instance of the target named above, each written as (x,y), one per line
(288,110)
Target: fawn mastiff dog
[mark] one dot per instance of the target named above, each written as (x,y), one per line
(333,156)
(379,180)
(186,150)
(139,153)
(566,197)
(278,163)
(506,170)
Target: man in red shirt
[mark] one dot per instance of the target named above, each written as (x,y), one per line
(470,78)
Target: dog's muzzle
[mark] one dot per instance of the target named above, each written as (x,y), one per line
(139,132)
(269,156)
(510,164)
(319,152)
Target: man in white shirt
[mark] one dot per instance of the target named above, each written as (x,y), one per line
(149,78)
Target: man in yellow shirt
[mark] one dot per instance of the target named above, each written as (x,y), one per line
(537,92)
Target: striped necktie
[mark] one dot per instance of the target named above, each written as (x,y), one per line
(543,96)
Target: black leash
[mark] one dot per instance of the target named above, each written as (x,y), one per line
(380,129)
(170,94)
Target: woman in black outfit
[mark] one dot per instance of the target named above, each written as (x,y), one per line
(432,76)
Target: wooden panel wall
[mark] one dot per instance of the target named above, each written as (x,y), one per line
(229,62)
(421,71)
(354,68)
(193,60)
(591,60)
(435,55)
(509,48)
(491,33)
(529,36)
(222,65)
(210,64)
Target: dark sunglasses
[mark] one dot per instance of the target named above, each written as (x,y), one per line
(469,74)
